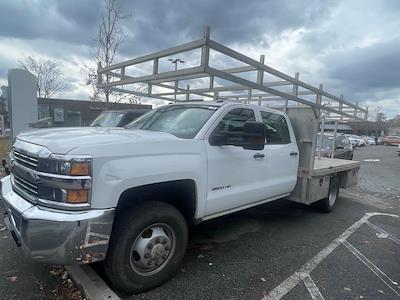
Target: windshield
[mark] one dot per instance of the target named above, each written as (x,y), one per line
(180,120)
(327,142)
(107,119)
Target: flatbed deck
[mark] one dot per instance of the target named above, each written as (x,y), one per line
(325,166)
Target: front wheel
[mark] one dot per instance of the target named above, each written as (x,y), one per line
(328,204)
(147,246)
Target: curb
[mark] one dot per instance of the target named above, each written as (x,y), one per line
(91,284)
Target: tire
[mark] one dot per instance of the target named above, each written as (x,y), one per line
(155,230)
(328,204)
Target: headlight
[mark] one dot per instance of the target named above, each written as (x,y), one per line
(65,179)
(65,165)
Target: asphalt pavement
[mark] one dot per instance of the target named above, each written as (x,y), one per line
(278,250)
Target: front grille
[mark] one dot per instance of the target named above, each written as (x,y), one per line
(23,168)
(26,186)
(24,159)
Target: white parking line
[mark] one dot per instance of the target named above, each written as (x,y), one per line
(312,288)
(293,280)
(374,269)
(390,236)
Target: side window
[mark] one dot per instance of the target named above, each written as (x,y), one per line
(234,121)
(277,128)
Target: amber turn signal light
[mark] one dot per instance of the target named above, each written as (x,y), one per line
(80,168)
(77,196)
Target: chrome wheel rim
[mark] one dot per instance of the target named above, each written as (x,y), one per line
(152,249)
(332,194)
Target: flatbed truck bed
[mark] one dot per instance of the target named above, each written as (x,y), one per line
(326,166)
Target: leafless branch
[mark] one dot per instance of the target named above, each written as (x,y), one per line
(49,78)
(109,38)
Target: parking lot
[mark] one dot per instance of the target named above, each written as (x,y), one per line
(279,250)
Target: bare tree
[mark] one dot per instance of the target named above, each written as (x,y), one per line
(376,115)
(109,38)
(381,117)
(49,78)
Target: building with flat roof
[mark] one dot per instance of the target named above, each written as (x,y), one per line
(66,112)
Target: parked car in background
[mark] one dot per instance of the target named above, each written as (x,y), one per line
(343,146)
(353,140)
(356,140)
(380,140)
(361,142)
(371,140)
(398,149)
(391,140)
(117,118)
(368,140)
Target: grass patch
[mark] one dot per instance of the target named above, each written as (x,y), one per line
(4,147)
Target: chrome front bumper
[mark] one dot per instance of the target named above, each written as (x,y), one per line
(55,236)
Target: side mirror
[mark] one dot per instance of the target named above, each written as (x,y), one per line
(217,139)
(254,134)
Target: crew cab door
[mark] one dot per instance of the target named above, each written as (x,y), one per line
(282,154)
(236,176)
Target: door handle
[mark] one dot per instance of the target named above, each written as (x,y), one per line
(293,154)
(258,155)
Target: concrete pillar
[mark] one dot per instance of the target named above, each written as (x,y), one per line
(22,101)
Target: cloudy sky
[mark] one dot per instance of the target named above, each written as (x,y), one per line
(352,47)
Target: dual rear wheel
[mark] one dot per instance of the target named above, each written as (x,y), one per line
(328,204)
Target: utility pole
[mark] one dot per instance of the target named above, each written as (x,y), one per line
(175,62)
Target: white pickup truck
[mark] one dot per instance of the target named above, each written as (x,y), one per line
(127,195)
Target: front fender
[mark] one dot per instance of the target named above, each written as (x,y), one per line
(114,175)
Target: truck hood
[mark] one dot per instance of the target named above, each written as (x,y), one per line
(63,140)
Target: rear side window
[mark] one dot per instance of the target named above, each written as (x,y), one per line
(277,128)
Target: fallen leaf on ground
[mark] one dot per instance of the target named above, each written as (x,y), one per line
(12,278)
(382,235)
(2,229)
(65,275)
(263,279)
(347,289)
(380,291)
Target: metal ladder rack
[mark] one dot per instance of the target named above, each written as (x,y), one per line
(165,85)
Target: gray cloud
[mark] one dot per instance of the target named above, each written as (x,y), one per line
(373,67)
(69,21)
(164,23)
(331,48)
